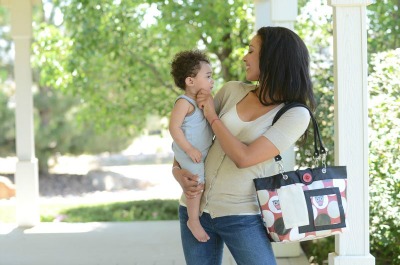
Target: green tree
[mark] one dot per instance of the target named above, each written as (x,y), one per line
(121,52)
(7,127)
(314,26)
(383,26)
(57,128)
(113,64)
(7,124)
(384,163)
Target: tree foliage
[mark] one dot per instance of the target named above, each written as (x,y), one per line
(57,129)
(121,51)
(383,26)
(7,127)
(314,26)
(7,123)
(107,67)
(384,163)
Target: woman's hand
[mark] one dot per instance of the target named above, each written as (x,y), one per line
(205,102)
(189,182)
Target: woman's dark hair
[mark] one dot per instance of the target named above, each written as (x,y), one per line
(187,64)
(284,68)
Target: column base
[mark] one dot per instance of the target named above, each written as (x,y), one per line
(335,259)
(27,193)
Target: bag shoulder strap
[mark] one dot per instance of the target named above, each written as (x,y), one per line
(317,136)
(286,107)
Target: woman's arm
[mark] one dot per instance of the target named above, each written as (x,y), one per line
(241,154)
(189,182)
(261,149)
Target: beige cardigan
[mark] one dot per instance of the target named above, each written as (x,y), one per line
(230,190)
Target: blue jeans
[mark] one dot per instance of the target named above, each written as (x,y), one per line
(244,235)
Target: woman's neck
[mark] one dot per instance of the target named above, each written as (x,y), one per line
(267,100)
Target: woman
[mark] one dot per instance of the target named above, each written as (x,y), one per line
(245,144)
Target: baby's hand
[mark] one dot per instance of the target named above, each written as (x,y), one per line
(194,154)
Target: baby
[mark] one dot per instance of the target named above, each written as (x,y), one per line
(189,129)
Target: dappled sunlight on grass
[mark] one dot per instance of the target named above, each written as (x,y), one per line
(119,212)
(100,212)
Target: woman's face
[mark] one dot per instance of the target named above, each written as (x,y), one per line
(252,59)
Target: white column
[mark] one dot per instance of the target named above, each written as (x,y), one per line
(262,10)
(351,123)
(26,176)
(284,13)
(281,13)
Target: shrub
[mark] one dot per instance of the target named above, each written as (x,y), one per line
(384,162)
(317,250)
(119,212)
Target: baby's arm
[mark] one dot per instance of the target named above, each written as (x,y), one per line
(181,108)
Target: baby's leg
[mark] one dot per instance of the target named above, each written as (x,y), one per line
(193,206)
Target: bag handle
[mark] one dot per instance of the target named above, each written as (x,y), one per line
(317,136)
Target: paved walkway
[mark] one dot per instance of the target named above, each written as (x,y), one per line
(130,243)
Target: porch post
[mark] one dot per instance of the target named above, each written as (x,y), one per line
(26,175)
(351,123)
(281,13)
(262,10)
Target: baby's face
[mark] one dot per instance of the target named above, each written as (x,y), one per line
(203,79)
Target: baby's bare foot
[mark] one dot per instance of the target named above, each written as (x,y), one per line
(197,230)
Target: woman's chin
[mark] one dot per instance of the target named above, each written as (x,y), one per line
(250,79)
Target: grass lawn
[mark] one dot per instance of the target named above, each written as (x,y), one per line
(104,212)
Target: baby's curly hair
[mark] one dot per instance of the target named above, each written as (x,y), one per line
(187,64)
